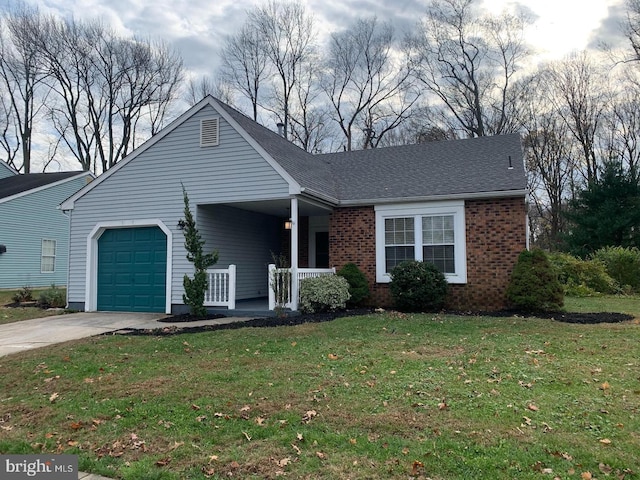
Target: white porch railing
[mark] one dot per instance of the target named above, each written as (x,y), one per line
(281,279)
(221,289)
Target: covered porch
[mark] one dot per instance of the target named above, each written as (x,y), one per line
(291,234)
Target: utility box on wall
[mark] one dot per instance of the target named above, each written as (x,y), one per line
(3,249)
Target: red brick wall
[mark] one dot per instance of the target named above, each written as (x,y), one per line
(496,234)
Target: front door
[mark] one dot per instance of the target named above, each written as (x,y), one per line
(322,249)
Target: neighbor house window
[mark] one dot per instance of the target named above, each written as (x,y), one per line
(432,232)
(48,258)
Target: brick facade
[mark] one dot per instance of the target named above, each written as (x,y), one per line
(496,234)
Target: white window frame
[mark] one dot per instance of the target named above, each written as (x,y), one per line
(43,255)
(454,208)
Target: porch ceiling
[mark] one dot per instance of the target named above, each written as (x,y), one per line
(282,207)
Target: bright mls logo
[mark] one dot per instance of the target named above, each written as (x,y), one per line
(44,467)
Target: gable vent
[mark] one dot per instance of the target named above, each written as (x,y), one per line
(209,132)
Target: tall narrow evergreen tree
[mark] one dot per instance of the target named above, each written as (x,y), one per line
(195,287)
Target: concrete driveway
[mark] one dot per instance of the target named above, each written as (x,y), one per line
(40,332)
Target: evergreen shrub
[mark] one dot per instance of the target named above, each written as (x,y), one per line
(534,284)
(418,287)
(358,284)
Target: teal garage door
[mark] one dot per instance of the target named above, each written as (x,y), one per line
(132,267)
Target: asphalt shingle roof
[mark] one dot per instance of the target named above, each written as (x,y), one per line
(310,171)
(21,183)
(452,167)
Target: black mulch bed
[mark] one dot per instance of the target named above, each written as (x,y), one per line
(582,318)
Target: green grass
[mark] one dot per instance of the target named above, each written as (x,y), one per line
(607,303)
(379,396)
(16,314)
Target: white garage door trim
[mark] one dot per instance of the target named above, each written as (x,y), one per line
(91,275)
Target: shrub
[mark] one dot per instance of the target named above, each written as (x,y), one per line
(582,278)
(195,288)
(53,297)
(622,264)
(534,283)
(323,293)
(25,294)
(418,287)
(358,284)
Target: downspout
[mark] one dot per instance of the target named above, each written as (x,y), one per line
(294,254)
(68,213)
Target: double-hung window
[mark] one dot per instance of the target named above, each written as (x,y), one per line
(432,232)
(48,256)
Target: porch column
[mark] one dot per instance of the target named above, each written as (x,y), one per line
(294,253)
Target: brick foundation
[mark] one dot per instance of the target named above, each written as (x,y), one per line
(496,234)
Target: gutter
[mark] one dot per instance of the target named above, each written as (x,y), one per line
(431,198)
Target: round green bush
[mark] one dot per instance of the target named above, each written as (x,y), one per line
(418,287)
(323,293)
(358,284)
(534,283)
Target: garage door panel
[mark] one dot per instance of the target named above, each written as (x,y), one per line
(132,269)
(144,257)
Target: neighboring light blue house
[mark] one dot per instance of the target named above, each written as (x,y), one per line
(34,232)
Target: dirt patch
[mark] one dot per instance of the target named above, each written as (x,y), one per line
(298,319)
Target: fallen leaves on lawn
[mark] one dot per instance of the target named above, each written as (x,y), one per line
(415,467)
(76,425)
(54,396)
(306,418)
(208,472)
(117,448)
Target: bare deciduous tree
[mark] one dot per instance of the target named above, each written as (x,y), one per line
(309,118)
(22,76)
(367,82)
(287,36)
(244,64)
(470,63)
(109,89)
(579,95)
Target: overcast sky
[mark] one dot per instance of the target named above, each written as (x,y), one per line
(196,28)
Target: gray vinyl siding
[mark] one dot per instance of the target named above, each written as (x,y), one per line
(149,187)
(24,222)
(245,239)
(5,170)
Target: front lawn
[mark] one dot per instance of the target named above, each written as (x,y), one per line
(375,396)
(16,314)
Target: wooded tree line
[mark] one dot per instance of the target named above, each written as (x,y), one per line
(94,94)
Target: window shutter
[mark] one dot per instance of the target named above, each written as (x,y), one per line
(209,132)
